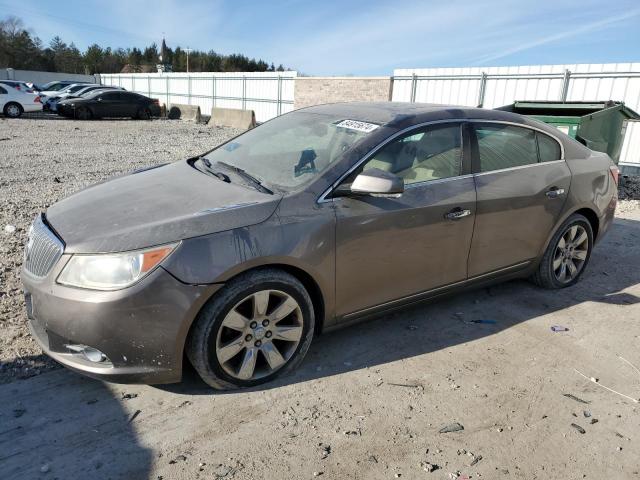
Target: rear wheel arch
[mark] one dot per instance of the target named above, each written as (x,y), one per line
(587,212)
(592,216)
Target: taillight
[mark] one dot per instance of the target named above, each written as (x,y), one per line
(615,173)
(37,100)
(156,101)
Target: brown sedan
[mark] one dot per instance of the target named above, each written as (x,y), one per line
(318,218)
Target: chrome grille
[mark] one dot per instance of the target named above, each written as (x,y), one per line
(43,249)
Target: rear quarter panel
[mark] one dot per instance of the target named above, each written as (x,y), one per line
(593,187)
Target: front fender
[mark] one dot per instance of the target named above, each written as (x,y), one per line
(306,243)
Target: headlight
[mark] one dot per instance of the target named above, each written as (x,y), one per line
(112,271)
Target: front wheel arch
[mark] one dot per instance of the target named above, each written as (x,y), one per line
(196,341)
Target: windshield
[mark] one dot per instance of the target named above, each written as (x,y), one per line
(56,86)
(291,150)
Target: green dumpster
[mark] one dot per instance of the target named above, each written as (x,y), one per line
(598,125)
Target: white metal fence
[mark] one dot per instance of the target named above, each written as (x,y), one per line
(498,86)
(269,94)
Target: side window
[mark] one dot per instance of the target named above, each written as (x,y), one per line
(505,146)
(421,155)
(3,91)
(548,148)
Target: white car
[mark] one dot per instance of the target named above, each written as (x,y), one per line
(14,103)
(53,88)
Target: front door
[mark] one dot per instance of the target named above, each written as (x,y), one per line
(522,184)
(108,105)
(391,248)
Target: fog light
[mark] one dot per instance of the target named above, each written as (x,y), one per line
(92,354)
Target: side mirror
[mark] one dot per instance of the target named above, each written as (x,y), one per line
(378,183)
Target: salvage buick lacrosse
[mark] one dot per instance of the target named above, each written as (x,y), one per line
(236,259)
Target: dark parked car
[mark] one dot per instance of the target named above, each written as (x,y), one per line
(108,103)
(313,220)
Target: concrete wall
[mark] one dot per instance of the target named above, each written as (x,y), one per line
(44,77)
(317,90)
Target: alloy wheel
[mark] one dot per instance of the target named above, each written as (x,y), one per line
(13,111)
(259,335)
(571,253)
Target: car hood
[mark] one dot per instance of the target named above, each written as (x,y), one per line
(153,207)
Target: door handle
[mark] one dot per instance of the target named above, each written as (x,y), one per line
(457,213)
(555,192)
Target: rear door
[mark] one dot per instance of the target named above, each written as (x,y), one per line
(387,248)
(129,104)
(521,182)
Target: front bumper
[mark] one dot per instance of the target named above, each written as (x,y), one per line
(141,329)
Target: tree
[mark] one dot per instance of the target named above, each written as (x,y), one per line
(20,49)
(93,59)
(150,55)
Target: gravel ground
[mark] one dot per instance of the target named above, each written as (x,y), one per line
(43,160)
(473,386)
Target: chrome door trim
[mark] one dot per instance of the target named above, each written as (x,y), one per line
(428,293)
(323,197)
(519,167)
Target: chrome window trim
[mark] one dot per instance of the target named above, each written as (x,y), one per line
(561,159)
(323,197)
(438,180)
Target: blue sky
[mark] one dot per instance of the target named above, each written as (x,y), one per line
(354,37)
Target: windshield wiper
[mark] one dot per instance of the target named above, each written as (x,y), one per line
(256,181)
(209,168)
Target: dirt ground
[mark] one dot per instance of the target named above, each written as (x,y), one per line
(369,401)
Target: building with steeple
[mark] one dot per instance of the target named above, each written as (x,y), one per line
(163,64)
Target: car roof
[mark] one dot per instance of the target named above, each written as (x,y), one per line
(404,114)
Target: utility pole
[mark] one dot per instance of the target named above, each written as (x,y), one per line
(188,50)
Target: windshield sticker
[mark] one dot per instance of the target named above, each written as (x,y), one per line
(357,125)
(231,146)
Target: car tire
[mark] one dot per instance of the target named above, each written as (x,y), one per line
(210,338)
(143,114)
(567,255)
(83,113)
(13,110)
